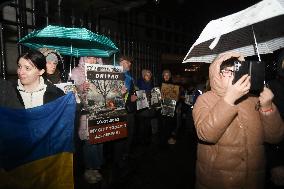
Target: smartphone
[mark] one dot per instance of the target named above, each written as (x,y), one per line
(255,69)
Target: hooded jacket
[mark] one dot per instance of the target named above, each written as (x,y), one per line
(79,77)
(230,150)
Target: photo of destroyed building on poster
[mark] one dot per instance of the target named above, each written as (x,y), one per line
(104,98)
(142,101)
(168,107)
(155,98)
(69,87)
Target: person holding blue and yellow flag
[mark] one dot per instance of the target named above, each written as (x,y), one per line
(36,143)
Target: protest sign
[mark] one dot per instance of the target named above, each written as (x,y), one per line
(103,130)
(69,87)
(104,98)
(155,98)
(170,91)
(168,107)
(142,101)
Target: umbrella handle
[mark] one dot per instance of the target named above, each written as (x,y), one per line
(113,59)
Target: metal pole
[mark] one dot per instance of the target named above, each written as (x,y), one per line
(59,12)
(46,12)
(33,13)
(19,24)
(3,64)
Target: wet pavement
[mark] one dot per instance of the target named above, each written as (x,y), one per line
(149,166)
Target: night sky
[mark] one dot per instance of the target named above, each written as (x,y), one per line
(198,13)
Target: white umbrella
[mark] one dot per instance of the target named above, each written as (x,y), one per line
(258,29)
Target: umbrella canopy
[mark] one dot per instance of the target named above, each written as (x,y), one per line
(70,41)
(256,30)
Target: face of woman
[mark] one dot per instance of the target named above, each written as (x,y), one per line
(125,64)
(28,73)
(226,75)
(147,77)
(166,76)
(51,67)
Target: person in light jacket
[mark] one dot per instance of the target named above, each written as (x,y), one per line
(92,153)
(232,128)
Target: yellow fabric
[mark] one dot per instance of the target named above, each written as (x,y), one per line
(53,172)
(126,96)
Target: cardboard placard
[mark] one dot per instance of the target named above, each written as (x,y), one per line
(170,91)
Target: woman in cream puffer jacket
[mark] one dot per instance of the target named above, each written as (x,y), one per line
(230,151)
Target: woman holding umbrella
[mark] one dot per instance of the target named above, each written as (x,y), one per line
(232,129)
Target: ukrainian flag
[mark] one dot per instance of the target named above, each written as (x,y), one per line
(36,146)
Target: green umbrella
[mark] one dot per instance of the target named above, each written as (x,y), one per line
(70,41)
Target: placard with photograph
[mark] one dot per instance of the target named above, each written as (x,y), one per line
(104,98)
(168,107)
(142,101)
(155,98)
(69,87)
(170,91)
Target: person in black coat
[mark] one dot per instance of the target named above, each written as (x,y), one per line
(8,96)
(275,152)
(167,124)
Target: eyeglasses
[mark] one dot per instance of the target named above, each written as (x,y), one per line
(227,72)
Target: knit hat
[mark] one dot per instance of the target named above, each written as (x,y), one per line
(51,57)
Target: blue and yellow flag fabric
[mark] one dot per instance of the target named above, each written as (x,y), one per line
(36,145)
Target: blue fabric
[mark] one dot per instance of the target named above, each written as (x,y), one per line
(143,85)
(30,134)
(128,81)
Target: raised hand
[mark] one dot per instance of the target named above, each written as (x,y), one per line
(86,86)
(265,99)
(239,89)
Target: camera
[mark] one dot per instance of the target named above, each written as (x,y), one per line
(255,69)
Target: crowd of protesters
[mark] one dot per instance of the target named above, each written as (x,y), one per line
(220,118)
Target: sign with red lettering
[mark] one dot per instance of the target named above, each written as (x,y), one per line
(103,130)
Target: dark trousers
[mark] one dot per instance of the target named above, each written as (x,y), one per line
(121,150)
(167,125)
(143,127)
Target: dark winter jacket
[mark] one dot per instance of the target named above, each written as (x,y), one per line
(53,78)
(8,96)
(143,85)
